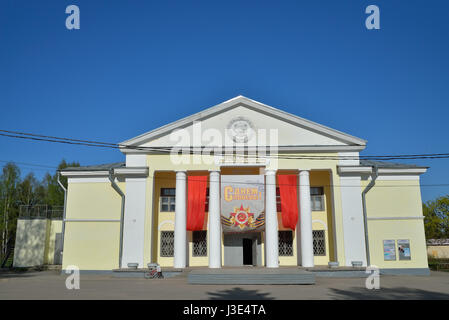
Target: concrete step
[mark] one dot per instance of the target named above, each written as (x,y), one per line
(251,276)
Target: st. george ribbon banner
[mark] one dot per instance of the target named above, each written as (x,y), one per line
(242,203)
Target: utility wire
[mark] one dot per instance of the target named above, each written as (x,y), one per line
(241,182)
(90,143)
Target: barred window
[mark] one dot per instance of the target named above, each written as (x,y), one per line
(319,243)
(167,243)
(317,198)
(199,243)
(168,199)
(285,243)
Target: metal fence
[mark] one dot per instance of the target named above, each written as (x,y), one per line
(41,211)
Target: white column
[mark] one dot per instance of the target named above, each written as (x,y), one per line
(214,220)
(271,221)
(180,221)
(305,220)
(134,218)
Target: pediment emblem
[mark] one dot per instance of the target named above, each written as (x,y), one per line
(241,129)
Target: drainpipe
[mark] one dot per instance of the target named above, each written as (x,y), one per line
(374,176)
(122,214)
(64,212)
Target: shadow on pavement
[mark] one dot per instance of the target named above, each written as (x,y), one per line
(400,293)
(239,294)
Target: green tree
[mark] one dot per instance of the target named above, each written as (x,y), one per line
(436,218)
(9,181)
(15,192)
(54,195)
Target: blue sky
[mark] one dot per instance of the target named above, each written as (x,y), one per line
(136,65)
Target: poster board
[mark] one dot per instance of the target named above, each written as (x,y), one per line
(404,250)
(242,203)
(389,250)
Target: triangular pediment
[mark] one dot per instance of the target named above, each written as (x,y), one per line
(241,112)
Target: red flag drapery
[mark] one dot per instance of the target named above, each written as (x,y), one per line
(289,200)
(196,202)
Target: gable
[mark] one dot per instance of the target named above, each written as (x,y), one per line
(292,131)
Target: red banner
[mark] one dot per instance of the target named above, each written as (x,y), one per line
(196,202)
(289,200)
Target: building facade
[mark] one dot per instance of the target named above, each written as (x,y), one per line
(306,199)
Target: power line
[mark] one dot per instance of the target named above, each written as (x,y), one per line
(28,164)
(242,182)
(328,185)
(166,150)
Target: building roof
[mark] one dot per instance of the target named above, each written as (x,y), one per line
(99,167)
(390,165)
(438,242)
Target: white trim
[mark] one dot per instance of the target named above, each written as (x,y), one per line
(92,220)
(352,219)
(348,158)
(137,171)
(103,173)
(223,150)
(382,171)
(395,178)
(134,221)
(90,180)
(359,170)
(164,223)
(131,171)
(136,160)
(396,218)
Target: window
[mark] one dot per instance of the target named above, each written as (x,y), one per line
(167,243)
(168,199)
(319,243)
(199,243)
(317,198)
(285,243)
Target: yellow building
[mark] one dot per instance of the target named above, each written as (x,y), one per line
(195,171)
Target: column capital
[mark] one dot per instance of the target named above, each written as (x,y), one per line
(181,173)
(270,172)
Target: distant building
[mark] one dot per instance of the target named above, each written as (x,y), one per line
(438,248)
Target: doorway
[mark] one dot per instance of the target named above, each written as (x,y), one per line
(247,252)
(242,249)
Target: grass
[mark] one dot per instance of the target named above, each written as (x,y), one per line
(438,264)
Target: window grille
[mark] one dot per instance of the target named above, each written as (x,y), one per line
(199,243)
(168,199)
(167,243)
(319,243)
(285,243)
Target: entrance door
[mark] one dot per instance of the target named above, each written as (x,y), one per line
(242,249)
(247,251)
